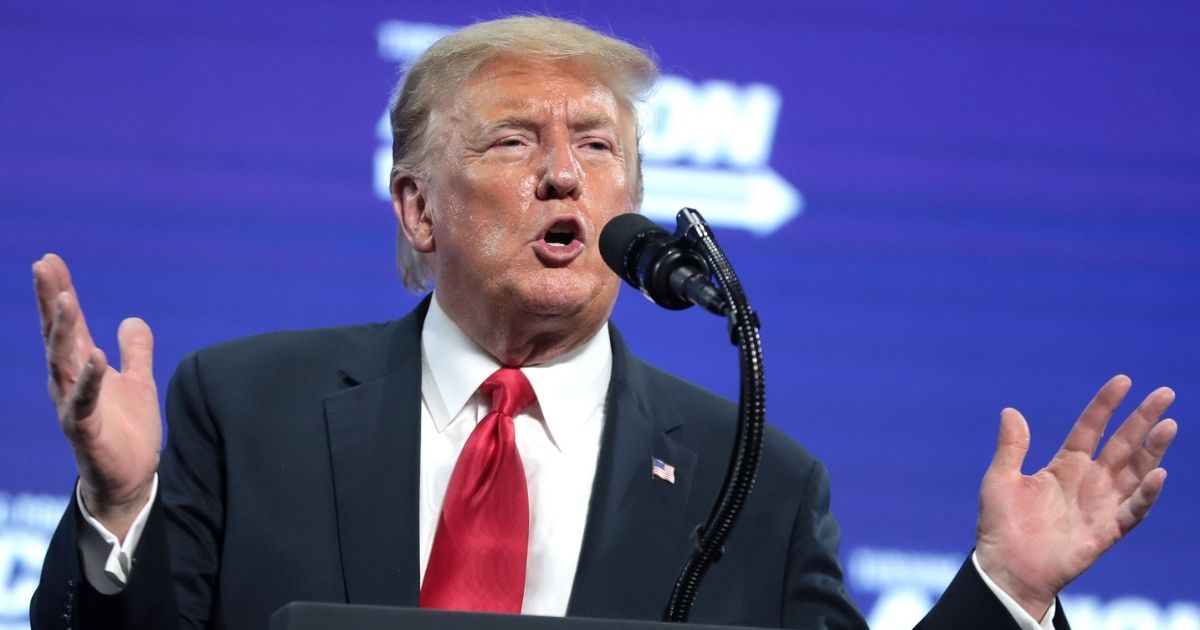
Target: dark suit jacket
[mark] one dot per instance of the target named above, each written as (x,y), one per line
(291,469)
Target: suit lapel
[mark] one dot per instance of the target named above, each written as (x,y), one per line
(636,536)
(374,442)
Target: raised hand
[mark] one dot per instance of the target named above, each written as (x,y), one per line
(1038,533)
(111,418)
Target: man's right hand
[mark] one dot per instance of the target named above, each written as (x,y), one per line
(111,418)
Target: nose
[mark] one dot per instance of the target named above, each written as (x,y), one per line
(560,172)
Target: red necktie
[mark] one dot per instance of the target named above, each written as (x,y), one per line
(482,540)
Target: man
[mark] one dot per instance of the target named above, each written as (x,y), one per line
(368,464)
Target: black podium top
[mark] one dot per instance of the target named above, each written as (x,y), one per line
(312,616)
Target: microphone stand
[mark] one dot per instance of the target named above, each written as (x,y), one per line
(743,327)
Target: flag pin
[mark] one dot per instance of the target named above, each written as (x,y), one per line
(662,470)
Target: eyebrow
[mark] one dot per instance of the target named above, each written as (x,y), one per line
(593,120)
(585,122)
(519,121)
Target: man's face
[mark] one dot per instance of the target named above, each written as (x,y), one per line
(532,160)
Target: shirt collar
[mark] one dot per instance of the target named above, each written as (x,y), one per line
(568,388)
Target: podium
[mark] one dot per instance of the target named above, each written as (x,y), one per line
(313,616)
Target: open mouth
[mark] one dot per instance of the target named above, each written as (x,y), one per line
(563,231)
(560,234)
(562,241)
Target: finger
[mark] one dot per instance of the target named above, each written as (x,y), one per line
(137,346)
(1138,505)
(85,393)
(62,275)
(1150,455)
(1132,433)
(45,287)
(61,351)
(1147,458)
(1085,435)
(1013,442)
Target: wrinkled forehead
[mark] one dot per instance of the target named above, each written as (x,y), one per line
(510,85)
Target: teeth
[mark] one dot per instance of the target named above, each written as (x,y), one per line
(560,237)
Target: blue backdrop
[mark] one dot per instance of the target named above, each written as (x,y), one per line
(940,209)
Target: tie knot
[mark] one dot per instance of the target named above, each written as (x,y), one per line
(510,391)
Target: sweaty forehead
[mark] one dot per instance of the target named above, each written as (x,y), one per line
(508,86)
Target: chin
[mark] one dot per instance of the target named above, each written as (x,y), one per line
(566,297)
(553,305)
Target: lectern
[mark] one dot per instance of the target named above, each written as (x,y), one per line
(312,616)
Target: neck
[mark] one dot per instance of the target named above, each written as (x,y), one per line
(521,339)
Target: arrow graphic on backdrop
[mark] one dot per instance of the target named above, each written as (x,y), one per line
(759,201)
(706,144)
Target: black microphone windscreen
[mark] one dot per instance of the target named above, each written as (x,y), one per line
(619,235)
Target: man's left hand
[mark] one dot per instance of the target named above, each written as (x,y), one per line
(1038,533)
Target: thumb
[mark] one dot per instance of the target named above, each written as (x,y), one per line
(1013,442)
(137,346)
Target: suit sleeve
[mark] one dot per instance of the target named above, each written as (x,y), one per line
(193,483)
(177,561)
(968,603)
(814,593)
(815,596)
(64,598)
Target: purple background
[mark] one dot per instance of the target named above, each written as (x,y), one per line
(1002,208)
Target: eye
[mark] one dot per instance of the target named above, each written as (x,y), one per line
(597,144)
(510,141)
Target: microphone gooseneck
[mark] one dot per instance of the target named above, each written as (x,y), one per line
(674,271)
(666,270)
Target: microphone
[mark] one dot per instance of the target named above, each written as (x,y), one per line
(660,265)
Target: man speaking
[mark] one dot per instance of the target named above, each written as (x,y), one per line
(499,448)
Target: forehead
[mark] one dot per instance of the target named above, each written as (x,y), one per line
(556,87)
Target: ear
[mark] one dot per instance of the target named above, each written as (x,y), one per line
(408,202)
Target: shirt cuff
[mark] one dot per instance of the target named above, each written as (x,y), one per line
(1023,618)
(107,562)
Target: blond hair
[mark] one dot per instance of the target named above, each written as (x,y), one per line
(442,70)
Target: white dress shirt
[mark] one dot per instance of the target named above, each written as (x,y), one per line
(559,441)
(558,438)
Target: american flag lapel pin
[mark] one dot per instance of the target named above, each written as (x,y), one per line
(662,470)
